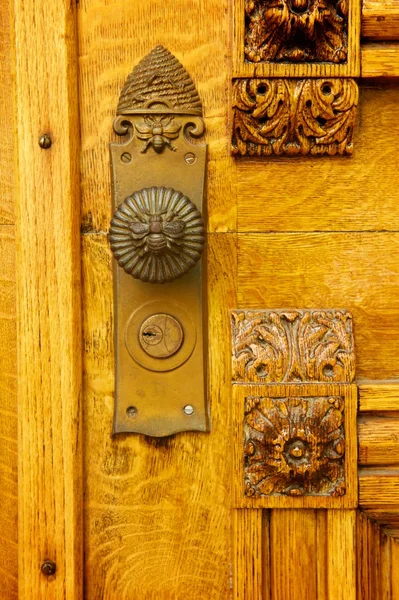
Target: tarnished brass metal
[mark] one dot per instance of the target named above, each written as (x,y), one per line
(161,335)
(157,236)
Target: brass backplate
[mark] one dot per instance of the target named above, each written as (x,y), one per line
(159,393)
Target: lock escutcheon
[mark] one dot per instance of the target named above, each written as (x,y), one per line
(161,335)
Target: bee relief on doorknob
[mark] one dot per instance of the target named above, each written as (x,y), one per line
(157,234)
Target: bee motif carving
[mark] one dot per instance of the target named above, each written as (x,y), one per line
(157,234)
(158,131)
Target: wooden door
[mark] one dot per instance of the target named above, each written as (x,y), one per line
(129,517)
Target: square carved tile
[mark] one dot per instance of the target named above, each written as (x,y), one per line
(295,446)
(273,346)
(291,38)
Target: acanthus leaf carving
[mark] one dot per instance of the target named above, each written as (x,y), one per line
(294,116)
(293,346)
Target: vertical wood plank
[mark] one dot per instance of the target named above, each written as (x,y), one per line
(293,554)
(6,115)
(8,419)
(394,569)
(248,556)
(266,572)
(376,561)
(322,554)
(341,554)
(48,294)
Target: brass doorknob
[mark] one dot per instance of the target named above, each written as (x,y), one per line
(157,234)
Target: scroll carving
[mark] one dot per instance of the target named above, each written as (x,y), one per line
(294,116)
(294,446)
(293,346)
(296,31)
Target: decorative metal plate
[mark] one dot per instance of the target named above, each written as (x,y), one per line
(157,236)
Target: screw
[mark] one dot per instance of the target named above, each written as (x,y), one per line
(126,157)
(190,158)
(48,568)
(131,412)
(188,409)
(45,141)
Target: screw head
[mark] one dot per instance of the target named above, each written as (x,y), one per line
(126,157)
(48,567)
(45,141)
(188,410)
(190,158)
(131,412)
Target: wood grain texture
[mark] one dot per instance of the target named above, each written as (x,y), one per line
(380,19)
(378,396)
(356,194)
(151,531)
(379,488)
(394,569)
(376,561)
(326,269)
(341,546)
(387,518)
(248,540)
(118,35)
(6,117)
(244,395)
(380,60)
(378,439)
(8,419)
(293,552)
(48,292)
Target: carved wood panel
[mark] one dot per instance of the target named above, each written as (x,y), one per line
(295,445)
(294,408)
(294,116)
(296,30)
(297,38)
(271,346)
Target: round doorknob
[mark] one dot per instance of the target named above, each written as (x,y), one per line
(157,234)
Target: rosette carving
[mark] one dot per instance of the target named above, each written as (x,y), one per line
(157,234)
(294,446)
(296,31)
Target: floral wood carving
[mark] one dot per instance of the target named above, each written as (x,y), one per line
(293,346)
(294,446)
(293,31)
(294,116)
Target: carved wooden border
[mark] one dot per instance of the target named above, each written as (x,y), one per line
(351,68)
(348,393)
